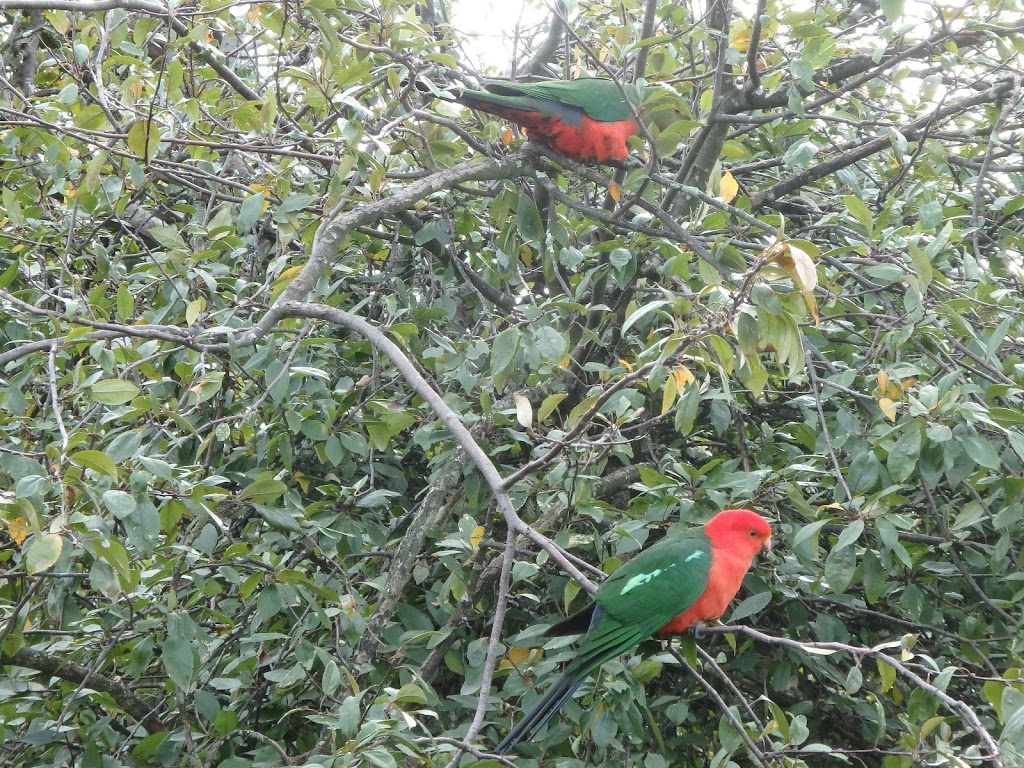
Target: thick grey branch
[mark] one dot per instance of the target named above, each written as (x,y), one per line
(337,225)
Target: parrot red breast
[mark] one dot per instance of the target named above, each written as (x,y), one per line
(586,119)
(665,589)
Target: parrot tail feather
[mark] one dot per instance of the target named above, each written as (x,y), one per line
(544,710)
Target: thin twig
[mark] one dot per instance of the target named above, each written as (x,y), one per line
(723,707)
(956,705)
(493,643)
(813,377)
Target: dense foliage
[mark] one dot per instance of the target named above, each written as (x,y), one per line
(319,392)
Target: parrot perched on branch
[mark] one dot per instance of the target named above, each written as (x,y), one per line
(665,589)
(585,119)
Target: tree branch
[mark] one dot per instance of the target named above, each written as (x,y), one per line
(145,712)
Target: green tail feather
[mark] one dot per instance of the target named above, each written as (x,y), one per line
(613,639)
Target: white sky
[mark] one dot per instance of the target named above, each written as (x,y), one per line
(489,26)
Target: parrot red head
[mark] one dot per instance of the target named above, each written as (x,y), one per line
(741,530)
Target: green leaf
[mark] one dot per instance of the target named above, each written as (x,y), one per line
(840,566)
(249,212)
(751,605)
(264,489)
(177,654)
(860,212)
(96,461)
(10,273)
(125,302)
(642,312)
(981,450)
(114,391)
(809,532)
(850,533)
(528,218)
(120,503)
(278,518)
(904,454)
(12,208)
(547,407)
(144,139)
(42,552)
(550,343)
(503,350)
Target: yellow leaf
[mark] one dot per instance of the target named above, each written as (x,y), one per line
(524,411)
(812,306)
(518,655)
(507,136)
(291,272)
(18,530)
(615,191)
(476,536)
(887,673)
(728,188)
(740,40)
(625,365)
(526,255)
(194,310)
(668,398)
(804,268)
(565,362)
(883,380)
(683,376)
(888,408)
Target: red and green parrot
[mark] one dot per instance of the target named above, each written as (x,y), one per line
(665,589)
(585,119)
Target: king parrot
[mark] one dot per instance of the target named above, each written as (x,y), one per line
(665,589)
(585,119)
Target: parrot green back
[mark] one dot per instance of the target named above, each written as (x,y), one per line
(642,596)
(599,98)
(659,583)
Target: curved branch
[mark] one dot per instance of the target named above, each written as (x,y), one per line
(480,460)
(333,231)
(860,151)
(143,711)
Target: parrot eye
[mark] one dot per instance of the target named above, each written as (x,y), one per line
(753,532)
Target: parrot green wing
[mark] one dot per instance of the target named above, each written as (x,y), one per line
(659,583)
(601,99)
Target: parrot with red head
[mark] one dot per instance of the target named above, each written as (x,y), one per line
(667,588)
